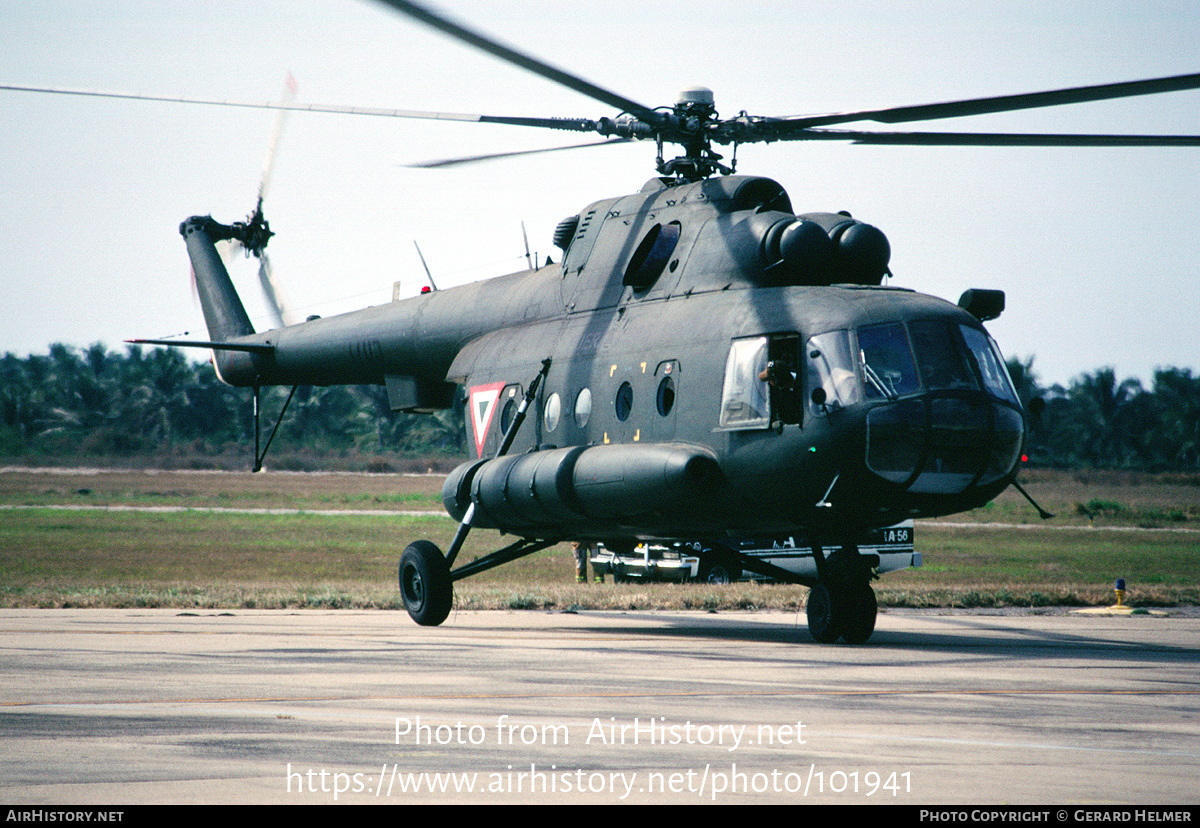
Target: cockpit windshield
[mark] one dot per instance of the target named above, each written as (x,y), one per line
(887,362)
(892,360)
(942,363)
(944,415)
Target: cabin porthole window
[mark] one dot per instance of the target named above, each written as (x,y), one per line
(666,396)
(552,412)
(624,401)
(583,407)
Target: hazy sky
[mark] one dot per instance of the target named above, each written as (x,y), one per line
(1098,250)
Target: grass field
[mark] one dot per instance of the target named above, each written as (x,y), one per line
(237,540)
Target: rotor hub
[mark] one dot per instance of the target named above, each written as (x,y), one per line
(696,96)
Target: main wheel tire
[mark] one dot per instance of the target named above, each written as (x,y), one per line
(824,614)
(861,611)
(425,584)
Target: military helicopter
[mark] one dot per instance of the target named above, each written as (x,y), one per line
(703,363)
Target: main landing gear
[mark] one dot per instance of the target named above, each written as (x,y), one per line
(427,581)
(841,603)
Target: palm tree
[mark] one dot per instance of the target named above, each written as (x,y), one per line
(1177,393)
(1106,416)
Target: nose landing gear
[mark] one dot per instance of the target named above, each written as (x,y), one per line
(842,604)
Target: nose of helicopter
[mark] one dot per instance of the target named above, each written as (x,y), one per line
(944,444)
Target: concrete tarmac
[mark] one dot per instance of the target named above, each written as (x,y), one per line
(112,707)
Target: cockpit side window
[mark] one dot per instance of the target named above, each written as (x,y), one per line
(829,371)
(744,396)
(990,364)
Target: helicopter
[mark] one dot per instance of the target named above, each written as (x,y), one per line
(702,364)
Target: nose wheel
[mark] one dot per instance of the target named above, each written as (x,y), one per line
(425,584)
(862,610)
(847,611)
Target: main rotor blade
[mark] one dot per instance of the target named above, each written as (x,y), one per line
(997,139)
(471,159)
(1001,103)
(288,95)
(572,124)
(524,61)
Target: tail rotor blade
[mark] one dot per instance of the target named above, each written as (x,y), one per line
(259,233)
(230,250)
(277,305)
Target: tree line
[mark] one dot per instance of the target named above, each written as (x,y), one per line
(155,403)
(1100,422)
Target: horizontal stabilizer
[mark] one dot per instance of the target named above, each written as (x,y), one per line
(251,348)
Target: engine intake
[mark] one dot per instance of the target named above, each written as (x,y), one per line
(824,249)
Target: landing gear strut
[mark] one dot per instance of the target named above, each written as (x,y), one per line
(426,582)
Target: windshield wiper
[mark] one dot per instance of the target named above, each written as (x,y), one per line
(874,378)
